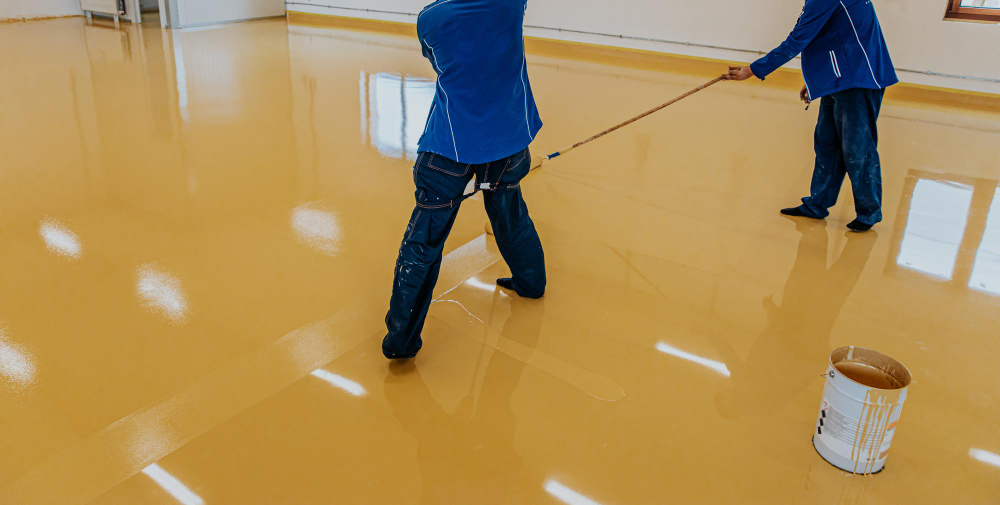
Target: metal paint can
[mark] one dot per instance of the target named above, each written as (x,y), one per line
(862,400)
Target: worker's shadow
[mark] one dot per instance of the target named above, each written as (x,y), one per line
(792,351)
(468,456)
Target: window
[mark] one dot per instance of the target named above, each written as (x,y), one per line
(974,10)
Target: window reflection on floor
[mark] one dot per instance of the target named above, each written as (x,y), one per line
(948,228)
(986,269)
(938,214)
(394,112)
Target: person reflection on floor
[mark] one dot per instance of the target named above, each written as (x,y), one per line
(794,348)
(468,456)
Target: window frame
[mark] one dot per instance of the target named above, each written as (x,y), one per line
(955,11)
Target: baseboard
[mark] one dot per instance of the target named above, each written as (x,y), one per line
(38,18)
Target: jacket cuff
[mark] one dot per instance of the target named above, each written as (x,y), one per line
(758,70)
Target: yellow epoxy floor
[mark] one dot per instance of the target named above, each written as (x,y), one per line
(197,233)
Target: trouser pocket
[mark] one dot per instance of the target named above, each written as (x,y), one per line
(439,182)
(508,175)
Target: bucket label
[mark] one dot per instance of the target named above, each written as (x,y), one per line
(839,431)
(866,438)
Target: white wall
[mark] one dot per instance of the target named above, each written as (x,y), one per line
(204,12)
(919,40)
(20,9)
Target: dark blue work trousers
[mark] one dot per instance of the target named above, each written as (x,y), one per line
(846,143)
(440,184)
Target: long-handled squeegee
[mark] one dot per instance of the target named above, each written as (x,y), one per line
(539,161)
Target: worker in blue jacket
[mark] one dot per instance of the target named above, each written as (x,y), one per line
(845,61)
(480,124)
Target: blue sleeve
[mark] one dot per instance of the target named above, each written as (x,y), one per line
(424,49)
(814,16)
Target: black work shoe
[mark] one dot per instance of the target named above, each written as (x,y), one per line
(394,355)
(506,283)
(797,212)
(859,226)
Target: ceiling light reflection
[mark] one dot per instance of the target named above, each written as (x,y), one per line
(161,292)
(566,494)
(478,284)
(340,382)
(15,364)
(317,228)
(718,366)
(59,239)
(985,456)
(176,488)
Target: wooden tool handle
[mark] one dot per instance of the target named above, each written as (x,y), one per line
(628,122)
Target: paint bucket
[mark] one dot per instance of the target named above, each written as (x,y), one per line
(862,400)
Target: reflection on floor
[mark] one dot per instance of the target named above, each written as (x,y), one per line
(197,233)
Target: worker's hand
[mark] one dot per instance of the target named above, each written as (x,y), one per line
(739,73)
(804,94)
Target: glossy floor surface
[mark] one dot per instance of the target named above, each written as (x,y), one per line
(197,238)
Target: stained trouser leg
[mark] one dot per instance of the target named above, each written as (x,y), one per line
(856,119)
(513,229)
(416,273)
(419,260)
(829,171)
